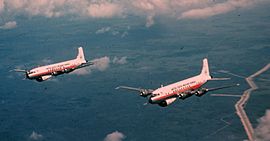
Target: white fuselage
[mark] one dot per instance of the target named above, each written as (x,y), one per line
(45,72)
(173,90)
(53,68)
(165,95)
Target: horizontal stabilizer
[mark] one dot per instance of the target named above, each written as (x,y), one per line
(85,64)
(220,79)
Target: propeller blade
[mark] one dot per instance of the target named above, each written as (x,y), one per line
(19,70)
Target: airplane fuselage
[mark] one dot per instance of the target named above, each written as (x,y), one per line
(176,89)
(46,72)
(165,95)
(53,69)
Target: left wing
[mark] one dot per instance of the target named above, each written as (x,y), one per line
(143,92)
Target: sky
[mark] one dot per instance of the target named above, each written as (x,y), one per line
(140,43)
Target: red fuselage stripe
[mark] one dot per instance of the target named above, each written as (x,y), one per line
(165,96)
(51,71)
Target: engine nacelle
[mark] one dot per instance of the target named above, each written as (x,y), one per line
(68,70)
(43,78)
(201,92)
(145,92)
(185,95)
(167,102)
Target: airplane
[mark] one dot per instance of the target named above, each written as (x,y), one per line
(166,95)
(43,73)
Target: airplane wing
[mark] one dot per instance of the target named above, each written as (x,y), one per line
(129,88)
(19,70)
(202,91)
(222,87)
(143,92)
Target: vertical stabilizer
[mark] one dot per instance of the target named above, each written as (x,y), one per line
(80,55)
(205,70)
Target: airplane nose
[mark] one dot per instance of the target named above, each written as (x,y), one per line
(27,75)
(150,100)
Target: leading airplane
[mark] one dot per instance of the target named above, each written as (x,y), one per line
(46,72)
(166,95)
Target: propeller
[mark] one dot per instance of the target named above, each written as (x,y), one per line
(23,71)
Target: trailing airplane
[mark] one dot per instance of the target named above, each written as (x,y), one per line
(46,72)
(166,95)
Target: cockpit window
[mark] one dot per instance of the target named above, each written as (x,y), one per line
(155,94)
(31,72)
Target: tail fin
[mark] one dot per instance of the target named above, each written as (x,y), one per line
(205,70)
(80,55)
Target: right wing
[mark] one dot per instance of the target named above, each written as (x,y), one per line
(143,92)
(222,87)
(202,91)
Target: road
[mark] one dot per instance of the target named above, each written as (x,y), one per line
(239,106)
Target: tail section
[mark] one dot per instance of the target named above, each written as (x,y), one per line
(205,70)
(80,55)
